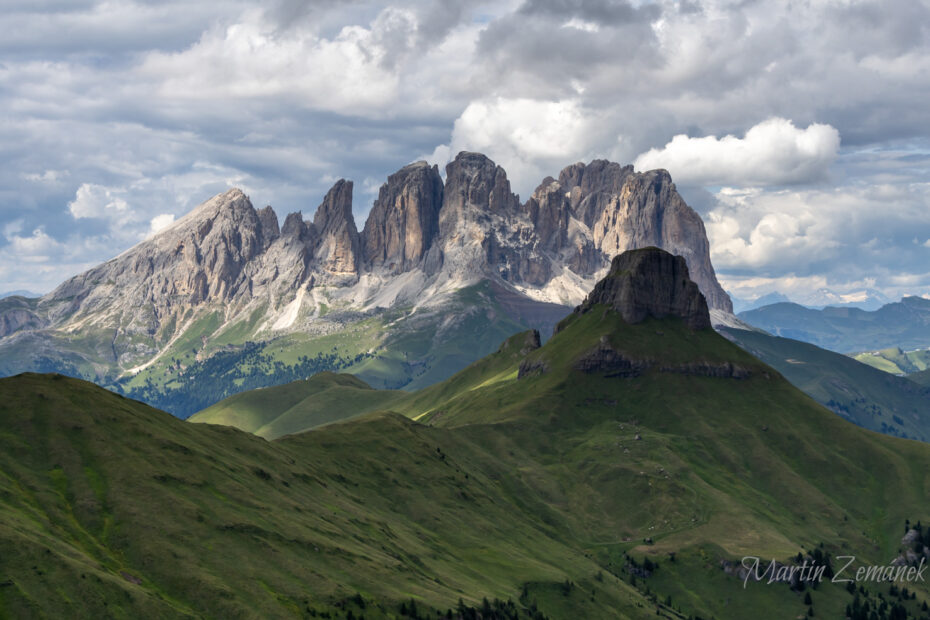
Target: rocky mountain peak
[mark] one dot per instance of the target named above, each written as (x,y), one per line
(296,227)
(590,186)
(649,211)
(650,282)
(473,179)
(404,220)
(335,212)
(268,221)
(339,249)
(549,210)
(226,257)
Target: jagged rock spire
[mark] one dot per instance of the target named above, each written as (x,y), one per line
(404,220)
(339,248)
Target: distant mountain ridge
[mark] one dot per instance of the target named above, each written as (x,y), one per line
(904,324)
(226,273)
(19,293)
(864,299)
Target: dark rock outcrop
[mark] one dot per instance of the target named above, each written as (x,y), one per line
(404,220)
(650,283)
(604,359)
(528,342)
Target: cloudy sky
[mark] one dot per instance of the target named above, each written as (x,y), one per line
(799,129)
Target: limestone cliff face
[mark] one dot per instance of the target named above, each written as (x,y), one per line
(404,221)
(649,282)
(338,252)
(475,183)
(561,235)
(422,238)
(590,187)
(199,258)
(648,211)
(482,231)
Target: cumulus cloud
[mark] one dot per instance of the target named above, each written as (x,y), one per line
(162,104)
(352,71)
(844,238)
(529,138)
(160,222)
(35,248)
(96,201)
(774,152)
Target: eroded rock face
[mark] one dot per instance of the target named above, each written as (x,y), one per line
(473,180)
(648,211)
(610,362)
(650,283)
(268,222)
(404,220)
(482,230)
(339,245)
(226,256)
(590,187)
(606,360)
(559,232)
(16,314)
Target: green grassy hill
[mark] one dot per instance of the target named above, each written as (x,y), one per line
(297,406)
(921,378)
(550,487)
(397,348)
(862,394)
(112,509)
(896,361)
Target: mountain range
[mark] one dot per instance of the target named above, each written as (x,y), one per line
(226,299)
(621,469)
(904,324)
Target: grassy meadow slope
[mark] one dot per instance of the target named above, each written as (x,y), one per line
(895,360)
(297,406)
(920,378)
(388,348)
(709,468)
(866,396)
(111,508)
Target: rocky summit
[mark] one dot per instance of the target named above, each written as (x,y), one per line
(649,282)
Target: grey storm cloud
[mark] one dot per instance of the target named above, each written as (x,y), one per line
(789,125)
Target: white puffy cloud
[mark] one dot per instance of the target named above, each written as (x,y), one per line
(350,72)
(529,138)
(35,248)
(802,240)
(96,201)
(774,152)
(162,104)
(160,222)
